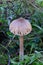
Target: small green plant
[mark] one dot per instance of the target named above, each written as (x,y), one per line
(32,59)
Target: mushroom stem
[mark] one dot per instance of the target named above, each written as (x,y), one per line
(21,48)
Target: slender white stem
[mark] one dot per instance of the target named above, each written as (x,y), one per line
(21,48)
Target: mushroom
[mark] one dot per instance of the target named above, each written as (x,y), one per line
(20,27)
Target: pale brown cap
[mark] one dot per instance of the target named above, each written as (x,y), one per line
(20,27)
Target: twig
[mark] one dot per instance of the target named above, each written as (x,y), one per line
(36,8)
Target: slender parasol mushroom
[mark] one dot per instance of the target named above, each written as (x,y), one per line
(20,27)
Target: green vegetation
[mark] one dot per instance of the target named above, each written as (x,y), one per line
(33,42)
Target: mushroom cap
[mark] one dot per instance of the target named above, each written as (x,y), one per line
(20,27)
